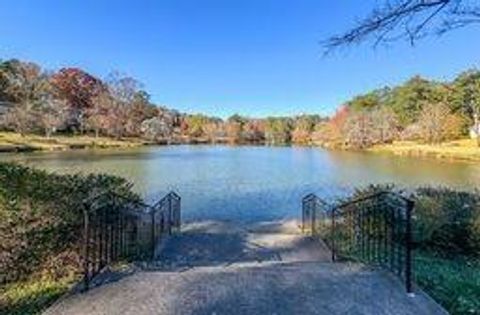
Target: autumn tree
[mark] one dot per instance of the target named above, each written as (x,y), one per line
(139,110)
(196,125)
(156,129)
(234,128)
(278,130)
(98,114)
(437,123)
(210,130)
(123,92)
(334,131)
(254,131)
(78,88)
(358,130)
(52,114)
(27,87)
(384,124)
(214,130)
(303,127)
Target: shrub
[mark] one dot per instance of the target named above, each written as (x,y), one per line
(41,219)
(448,220)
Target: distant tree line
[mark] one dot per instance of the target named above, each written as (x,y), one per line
(72,101)
(420,110)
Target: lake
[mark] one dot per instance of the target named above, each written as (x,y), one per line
(253,183)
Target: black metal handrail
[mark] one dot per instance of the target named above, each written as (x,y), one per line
(118,227)
(375,229)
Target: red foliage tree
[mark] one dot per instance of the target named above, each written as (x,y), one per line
(77,87)
(339,119)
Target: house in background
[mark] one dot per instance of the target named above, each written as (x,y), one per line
(474,132)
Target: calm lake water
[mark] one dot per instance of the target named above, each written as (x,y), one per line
(253,183)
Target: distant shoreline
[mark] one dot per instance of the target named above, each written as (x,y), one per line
(15,143)
(460,150)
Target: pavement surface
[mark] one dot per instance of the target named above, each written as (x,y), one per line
(269,268)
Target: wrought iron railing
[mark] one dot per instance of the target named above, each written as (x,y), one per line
(375,229)
(118,228)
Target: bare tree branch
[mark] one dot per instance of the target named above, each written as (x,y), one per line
(409,20)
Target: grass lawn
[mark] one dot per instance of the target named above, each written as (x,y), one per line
(12,142)
(454,283)
(32,297)
(465,149)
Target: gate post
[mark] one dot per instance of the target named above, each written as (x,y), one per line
(334,254)
(313,212)
(408,246)
(303,216)
(86,239)
(153,234)
(170,219)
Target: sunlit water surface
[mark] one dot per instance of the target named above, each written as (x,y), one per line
(253,183)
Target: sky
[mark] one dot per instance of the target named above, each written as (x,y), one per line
(220,57)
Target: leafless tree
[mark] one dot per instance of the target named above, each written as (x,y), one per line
(408,19)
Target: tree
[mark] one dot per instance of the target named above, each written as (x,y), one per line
(156,128)
(254,131)
(234,128)
(139,110)
(211,130)
(234,131)
(335,128)
(278,130)
(466,97)
(196,124)
(78,88)
(304,126)
(98,114)
(358,130)
(407,99)
(368,101)
(384,124)
(27,87)
(5,70)
(408,19)
(52,113)
(123,91)
(437,123)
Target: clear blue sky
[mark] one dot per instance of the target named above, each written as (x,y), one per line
(254,57)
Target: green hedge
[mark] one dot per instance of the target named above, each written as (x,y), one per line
(444,220)
(41,220)
(448,221)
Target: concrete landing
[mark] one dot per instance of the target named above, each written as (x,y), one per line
(219,268)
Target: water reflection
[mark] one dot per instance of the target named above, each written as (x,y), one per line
(253,183)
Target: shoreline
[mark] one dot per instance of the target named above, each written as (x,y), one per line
(465,150)
(15,143)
